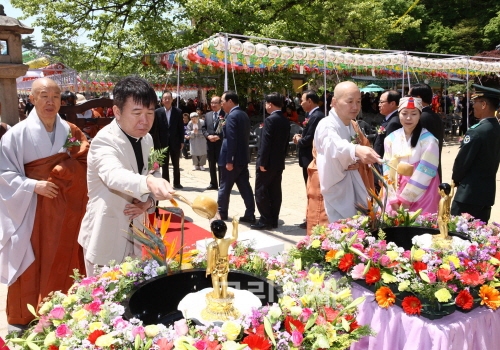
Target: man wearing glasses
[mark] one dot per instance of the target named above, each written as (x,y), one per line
(212,130)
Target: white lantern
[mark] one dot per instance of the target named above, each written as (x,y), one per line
(298,53)
(320,54)
(386,59)
(310,54)
(248,48)
(184,54)
(331,56)
(235,46)
(368,60)
(286,53)
(377,60)
(219,43)
(261,50)
(348,58)
(273,52)
(339,57)
(358,60)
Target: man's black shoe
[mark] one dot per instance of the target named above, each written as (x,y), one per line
(275,225)
(261,226)
(249,219)
(178,186)
(212,187)
(303,225)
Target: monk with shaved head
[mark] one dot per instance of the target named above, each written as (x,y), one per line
(43,165)
(343,153)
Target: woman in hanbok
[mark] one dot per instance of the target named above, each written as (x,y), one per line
(415,145)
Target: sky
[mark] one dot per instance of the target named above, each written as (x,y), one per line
(16,13)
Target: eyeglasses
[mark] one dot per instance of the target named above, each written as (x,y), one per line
(380,102)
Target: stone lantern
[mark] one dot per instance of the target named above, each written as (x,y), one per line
(11,65)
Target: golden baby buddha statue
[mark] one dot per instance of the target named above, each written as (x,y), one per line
(220,300)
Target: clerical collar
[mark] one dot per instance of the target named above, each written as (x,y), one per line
(131,138)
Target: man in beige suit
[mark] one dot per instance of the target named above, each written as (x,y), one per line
(121,187)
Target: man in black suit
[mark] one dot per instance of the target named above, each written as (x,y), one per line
(429,120)
(388,106)
(271,163)
(476,165)
(310,105)
(234,158)
(212,130)
(168,131)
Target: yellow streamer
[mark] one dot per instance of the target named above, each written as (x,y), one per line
(408,11)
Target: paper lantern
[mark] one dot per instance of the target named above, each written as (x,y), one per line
(348,58)
(377,60)
(386,60)
(248,48)
(235,46)
(425,63)
(286,53)
(310,54)
(320,54)
(273,52)
(261,50)
(397,59)
(330,56)
(298,53)
(219,43)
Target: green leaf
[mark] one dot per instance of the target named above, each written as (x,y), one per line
(32,310)
(269,330)
(345,325)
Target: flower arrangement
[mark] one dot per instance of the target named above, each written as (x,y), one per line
(314,312)
(380,130)
(156,159)
(355,139)
(304,123)
(71,141)
(222,122)
(426,279)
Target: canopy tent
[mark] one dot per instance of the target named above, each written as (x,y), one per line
(232,52)
(372,88)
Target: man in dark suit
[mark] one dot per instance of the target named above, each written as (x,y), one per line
(310,105)
(234,158)
(429,120)
(168,131)
(476,165)
(212,130)
(388,106)
(271,163)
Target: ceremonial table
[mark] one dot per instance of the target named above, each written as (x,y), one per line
(477,330)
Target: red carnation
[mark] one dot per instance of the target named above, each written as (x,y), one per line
(292,324)
(53,347)
(330,313)
(412,305)
(346,262)
(471,278)
(354,324)
(464,300)
(373,275)
(256,342)
(94,335)
(419,266)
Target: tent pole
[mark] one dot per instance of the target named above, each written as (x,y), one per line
(226,44)
(324,81)
(178,76)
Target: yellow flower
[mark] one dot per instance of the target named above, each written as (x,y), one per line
(445,266)
(70,299)
(417,254)
(385,297)
(272,274)
(63,347)
(232,345)
(126,267)
(452,259)
(180,342)
(388,278)
(494,261)
(105,340)
(231,330)
(316,243)
(295,311)
(287,302)
(392,254)
(443,295)
(305,299)
(330,255)
(80,314)
(50,339)
(112,275)
(94,326)
(344,293)
(151,330)
(46,307)
(403,286)
(297,264)
(316,277)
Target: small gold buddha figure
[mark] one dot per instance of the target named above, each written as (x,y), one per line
(444,209)
(220,301)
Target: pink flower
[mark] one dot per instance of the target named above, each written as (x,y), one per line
(94,306)
(407,254)
(120,323)
(138,331)
(181,327)
(63,331)
(88,281)
(200,345)
(156,166)
(73,139)
(357,271)
(164,344)
(306,313)
(384,260)
(43,322)
(297,338)
(432,277)
(57,313)
(98,291)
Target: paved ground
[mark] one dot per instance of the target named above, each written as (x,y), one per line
(293,207)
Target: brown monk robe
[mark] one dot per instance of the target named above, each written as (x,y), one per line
(316,214)
(55,230)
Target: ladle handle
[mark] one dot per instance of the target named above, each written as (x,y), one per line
(182,199)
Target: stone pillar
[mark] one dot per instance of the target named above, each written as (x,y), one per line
(11,65)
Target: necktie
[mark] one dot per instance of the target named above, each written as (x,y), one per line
(215,120)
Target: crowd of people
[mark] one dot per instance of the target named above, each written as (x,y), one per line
(69,203)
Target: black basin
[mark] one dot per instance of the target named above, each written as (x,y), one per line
(155,301)
(402,235)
